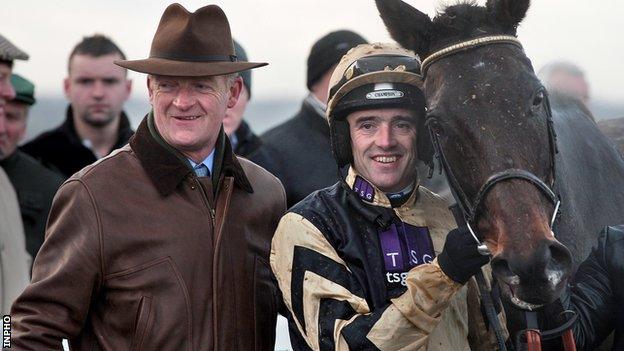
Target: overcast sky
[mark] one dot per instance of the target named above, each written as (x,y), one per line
(281,32)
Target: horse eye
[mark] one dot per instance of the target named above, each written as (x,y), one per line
(434,125)
(538,98)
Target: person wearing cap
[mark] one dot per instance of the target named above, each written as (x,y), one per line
(35,184)
(244,142)
(95,123)
(164,244)
(366,264)
(298,151)
(14,260)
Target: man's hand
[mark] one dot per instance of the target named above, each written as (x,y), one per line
(460,259)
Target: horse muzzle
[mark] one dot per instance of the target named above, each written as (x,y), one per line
(534,276)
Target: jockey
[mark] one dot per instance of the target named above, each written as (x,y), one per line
(366,264)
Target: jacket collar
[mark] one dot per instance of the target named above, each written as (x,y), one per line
(243,133)
(369,193)
(167,168)
(69,129)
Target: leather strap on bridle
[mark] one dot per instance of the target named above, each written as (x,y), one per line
(534,336)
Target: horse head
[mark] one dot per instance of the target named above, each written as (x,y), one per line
(489,118)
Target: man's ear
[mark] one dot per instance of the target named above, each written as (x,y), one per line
(66,86)
(408,26)
(128,86)
(150,92)
(235,90)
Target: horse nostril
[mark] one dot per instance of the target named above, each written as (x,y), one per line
(502,271)
(560,261)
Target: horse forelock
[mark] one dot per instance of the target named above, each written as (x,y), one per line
(463,20)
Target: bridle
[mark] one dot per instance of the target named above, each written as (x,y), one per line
(469,206)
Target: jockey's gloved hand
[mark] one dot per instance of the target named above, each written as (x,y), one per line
(460,259)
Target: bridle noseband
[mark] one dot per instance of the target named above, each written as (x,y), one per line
(470,207)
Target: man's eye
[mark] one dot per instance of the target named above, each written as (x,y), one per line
(111,81)
(367,126)
(202,87)
(85,81)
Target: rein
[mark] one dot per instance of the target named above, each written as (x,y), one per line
(469,209)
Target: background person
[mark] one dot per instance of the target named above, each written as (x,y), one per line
(95,123)
(35,184)
(14,260)
(164,244)
(298,151)
(244,142)
(565,78)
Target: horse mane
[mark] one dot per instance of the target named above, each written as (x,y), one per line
(466,19)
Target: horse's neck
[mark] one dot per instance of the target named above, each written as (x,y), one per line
(590,179)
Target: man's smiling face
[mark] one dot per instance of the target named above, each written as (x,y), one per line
(188,112)
(383,144)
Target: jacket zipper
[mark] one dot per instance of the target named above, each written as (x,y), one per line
(206,201)
(215,264)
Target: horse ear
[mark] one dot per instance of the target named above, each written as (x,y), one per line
(408,26)
(508,13)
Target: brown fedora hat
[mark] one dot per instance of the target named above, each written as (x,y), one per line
(191,45)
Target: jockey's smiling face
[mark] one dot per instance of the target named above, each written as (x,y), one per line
(383,143)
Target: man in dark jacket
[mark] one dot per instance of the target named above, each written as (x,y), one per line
(95,123)
(244,141)
(163,244)
(298,151)
(34,184)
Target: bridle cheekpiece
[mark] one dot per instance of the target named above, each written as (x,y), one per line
(470,208)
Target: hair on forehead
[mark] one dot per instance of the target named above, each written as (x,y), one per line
(97,45)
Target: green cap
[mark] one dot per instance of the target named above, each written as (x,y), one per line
(24,89)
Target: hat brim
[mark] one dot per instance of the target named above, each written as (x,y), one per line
(165,67)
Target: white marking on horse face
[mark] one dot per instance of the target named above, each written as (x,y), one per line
(479,64)
(514,280)
(554,276)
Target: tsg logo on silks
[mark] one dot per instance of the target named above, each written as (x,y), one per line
(403,247)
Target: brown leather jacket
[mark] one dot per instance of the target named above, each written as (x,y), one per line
(139,255)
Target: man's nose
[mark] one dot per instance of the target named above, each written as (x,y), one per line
(98,89)
(6,91)
(183,100)
(385,137)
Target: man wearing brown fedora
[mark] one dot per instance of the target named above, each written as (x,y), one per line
(164,244)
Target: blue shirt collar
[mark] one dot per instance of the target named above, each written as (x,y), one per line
(208,161)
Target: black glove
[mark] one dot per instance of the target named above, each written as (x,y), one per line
(460,259)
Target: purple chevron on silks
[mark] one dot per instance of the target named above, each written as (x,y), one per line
(419,245)
(405,246)
(391,249)
(364,189)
